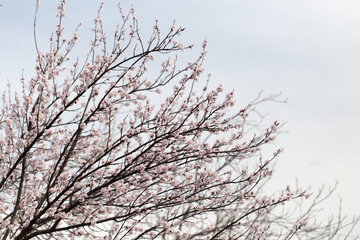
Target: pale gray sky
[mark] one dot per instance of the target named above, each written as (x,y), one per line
(309,50)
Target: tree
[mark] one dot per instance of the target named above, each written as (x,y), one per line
(86,154)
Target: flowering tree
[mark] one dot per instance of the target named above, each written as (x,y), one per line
(86,153)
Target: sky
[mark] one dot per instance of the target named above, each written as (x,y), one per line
(307,50)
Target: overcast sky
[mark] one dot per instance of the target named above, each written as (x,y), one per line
(309,50)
